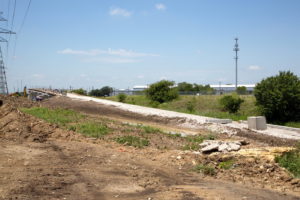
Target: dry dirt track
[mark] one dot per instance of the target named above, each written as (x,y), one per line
(41,161)
(78,170)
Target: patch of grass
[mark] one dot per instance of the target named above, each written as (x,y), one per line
(91,129)
(226,164)
(57,116)
(150,129)
(205,169)
(291,161)
(293,124)
(132,141)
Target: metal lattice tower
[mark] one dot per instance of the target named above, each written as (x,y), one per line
(3,82)
(236,49)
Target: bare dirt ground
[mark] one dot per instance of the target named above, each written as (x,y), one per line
(39,160)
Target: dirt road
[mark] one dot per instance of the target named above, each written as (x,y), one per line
(41,161)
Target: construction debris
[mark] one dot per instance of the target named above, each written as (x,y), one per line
(221,146)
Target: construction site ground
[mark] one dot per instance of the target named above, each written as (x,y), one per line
(39,160)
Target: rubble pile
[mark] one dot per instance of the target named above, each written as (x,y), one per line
(221,146)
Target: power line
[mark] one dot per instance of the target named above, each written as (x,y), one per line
(25,16)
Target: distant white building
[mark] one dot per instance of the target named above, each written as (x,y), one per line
(140,88)
(221,89)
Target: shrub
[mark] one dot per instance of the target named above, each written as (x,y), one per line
(191,105)
(231,103)
(80,91)
(162,91)
(104,91)
(278,97)
(241,90)
(122,97)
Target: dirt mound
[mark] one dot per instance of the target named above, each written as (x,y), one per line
(17,126)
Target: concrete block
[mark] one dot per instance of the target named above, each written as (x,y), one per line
(257,123)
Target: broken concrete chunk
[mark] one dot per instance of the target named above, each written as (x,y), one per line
(210,147)
(221,146)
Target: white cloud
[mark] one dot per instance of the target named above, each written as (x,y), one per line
(119,12)
(111,52)
(254,67)
(112,60)
(160,6)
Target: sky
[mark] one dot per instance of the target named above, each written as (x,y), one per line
(122,43)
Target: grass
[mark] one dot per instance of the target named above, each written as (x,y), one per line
(291,161)
(132,141)
(226,164)
(194,141)
(150,129)
(91,129)
(293,124)
(205,169)
(56,116)
(204,105)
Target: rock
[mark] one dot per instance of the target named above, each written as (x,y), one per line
(211,147)
(234,147)
(223,147)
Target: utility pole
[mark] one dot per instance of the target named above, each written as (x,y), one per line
(3,82)
(236,49)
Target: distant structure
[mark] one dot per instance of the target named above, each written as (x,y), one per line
(228,88)
(3,82)
(236,49)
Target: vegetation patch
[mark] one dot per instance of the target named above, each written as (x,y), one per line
(226,164)
(57,116)
(291,161)
(91,129)
(205,169)
(132,141)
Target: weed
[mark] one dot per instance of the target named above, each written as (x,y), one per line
(226,164)
(205,169)
(150,129)
(132,141)
(291,161)
(56,116)
(91,129)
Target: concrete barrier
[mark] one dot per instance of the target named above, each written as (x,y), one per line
(257,123)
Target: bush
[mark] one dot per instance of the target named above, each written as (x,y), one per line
(231,103)
(241,90)
(80,91)
(104,91)
(122,97)
(191,105)
(162,91)
(278,97)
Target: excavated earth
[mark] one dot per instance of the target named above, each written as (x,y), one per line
(39,160)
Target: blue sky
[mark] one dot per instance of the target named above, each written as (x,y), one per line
(122,43)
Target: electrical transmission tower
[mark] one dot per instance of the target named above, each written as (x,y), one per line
(3,82)
(236,49)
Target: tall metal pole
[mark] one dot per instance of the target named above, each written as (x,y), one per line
(3,81)
(236,49)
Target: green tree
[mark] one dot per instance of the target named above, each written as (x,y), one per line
(185,87)
(241,90)
(104,91)
(162,91)
(80,91)
(278,97)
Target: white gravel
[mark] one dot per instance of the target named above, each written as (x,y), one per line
(190,121)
